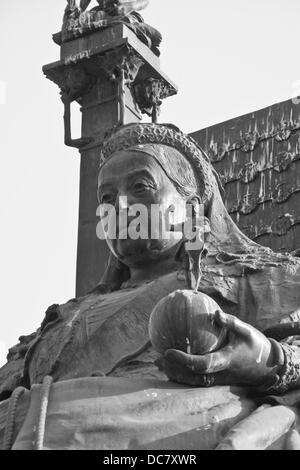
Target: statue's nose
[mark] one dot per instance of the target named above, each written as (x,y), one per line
(123,202)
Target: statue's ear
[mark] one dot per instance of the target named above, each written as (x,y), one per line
(195,201)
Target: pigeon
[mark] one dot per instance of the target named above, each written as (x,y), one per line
(117,7)
(125,7)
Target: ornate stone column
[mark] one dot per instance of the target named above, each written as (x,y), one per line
(115,78)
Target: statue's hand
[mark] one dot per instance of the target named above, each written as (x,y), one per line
(248,358)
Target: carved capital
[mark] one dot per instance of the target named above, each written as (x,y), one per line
(72,80)
(121,62)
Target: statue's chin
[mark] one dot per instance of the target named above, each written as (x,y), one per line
(136,252)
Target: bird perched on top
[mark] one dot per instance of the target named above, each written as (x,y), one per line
(78,20)
(116,7)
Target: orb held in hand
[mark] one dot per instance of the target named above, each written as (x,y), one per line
(185,320)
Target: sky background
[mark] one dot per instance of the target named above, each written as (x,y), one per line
(228,57)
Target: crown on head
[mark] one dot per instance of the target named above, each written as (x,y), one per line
(133,135)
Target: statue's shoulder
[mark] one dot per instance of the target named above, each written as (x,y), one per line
(57,331)
(64,327)
(11,374)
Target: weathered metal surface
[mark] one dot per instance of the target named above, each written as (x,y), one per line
(258,158)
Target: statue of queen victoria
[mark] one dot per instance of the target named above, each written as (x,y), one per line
(92,361)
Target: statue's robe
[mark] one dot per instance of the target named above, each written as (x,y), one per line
(108,332)
(135,406)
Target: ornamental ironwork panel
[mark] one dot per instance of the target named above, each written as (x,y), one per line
(258,159)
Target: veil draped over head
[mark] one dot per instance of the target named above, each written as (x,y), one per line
(172,149)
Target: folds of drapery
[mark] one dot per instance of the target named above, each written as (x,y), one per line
(118,413)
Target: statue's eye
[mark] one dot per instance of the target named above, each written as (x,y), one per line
(140,186)
(108,198)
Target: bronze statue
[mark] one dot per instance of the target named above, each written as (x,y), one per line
(105,333)
(78,21)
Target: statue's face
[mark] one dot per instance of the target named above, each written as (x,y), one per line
(136,178)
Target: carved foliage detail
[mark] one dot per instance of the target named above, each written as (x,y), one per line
(281,226)
(72,80)
(217,151)
(285,131)
(248,204)
(250,231)
(282,192)
(121,61)
(249,142)
(278,228)
(149,94)
(283,161)
(251,139)
(249,172)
